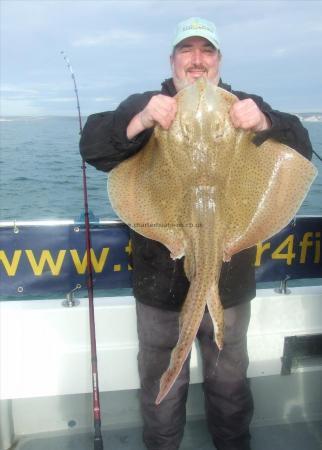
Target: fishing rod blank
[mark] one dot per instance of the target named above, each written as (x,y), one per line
(98,440)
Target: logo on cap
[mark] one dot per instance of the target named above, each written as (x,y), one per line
(197,26)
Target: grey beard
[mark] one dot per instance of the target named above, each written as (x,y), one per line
(181,84)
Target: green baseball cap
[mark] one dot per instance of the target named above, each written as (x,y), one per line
(195,26)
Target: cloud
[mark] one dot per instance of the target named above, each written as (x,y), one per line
(12,90)
(59,99)
(121,47)
(280,52)
(19,107)
(116,36)
(110,102)
(295,48)
(103,99)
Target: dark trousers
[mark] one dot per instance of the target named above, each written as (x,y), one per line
(228,400)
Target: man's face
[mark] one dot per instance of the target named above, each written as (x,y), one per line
(194,57)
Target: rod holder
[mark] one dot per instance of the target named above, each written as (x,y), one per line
(282,289)
(7,435)
(70,301)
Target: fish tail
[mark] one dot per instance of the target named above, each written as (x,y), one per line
(216,312)
(189,325)
(166,382)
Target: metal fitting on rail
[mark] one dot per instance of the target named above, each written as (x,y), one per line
(282,289)
(70,298)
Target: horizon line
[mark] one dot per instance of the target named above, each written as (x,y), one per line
(3,116)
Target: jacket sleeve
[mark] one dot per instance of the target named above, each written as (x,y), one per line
(286,128)
(104,142)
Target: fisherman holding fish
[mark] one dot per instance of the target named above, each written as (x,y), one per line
(160,284)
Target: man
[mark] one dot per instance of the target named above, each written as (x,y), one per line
(159,283)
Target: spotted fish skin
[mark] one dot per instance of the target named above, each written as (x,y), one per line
(206,192)
(203,263)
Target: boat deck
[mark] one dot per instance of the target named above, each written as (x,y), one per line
(295,436)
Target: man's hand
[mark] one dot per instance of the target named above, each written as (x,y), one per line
(245,114)
(161,110)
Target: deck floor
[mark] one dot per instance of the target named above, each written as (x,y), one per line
(297,436)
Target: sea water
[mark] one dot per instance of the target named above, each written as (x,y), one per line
(41,175)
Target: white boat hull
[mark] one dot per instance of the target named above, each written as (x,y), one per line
(45,347)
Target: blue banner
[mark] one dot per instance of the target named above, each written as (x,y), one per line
(40,260)
(44,260)
(294,252)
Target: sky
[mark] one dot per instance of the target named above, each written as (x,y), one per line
(270,48)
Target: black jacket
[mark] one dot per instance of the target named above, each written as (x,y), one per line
(157,279)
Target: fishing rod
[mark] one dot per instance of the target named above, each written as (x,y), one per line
(98,440)
(317,155)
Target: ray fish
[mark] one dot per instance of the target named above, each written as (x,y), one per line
(206,192)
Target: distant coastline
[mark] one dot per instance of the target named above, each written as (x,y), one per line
(304,117)
(310,116)
(34,118)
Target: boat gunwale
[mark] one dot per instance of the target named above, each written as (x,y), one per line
(115,221)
